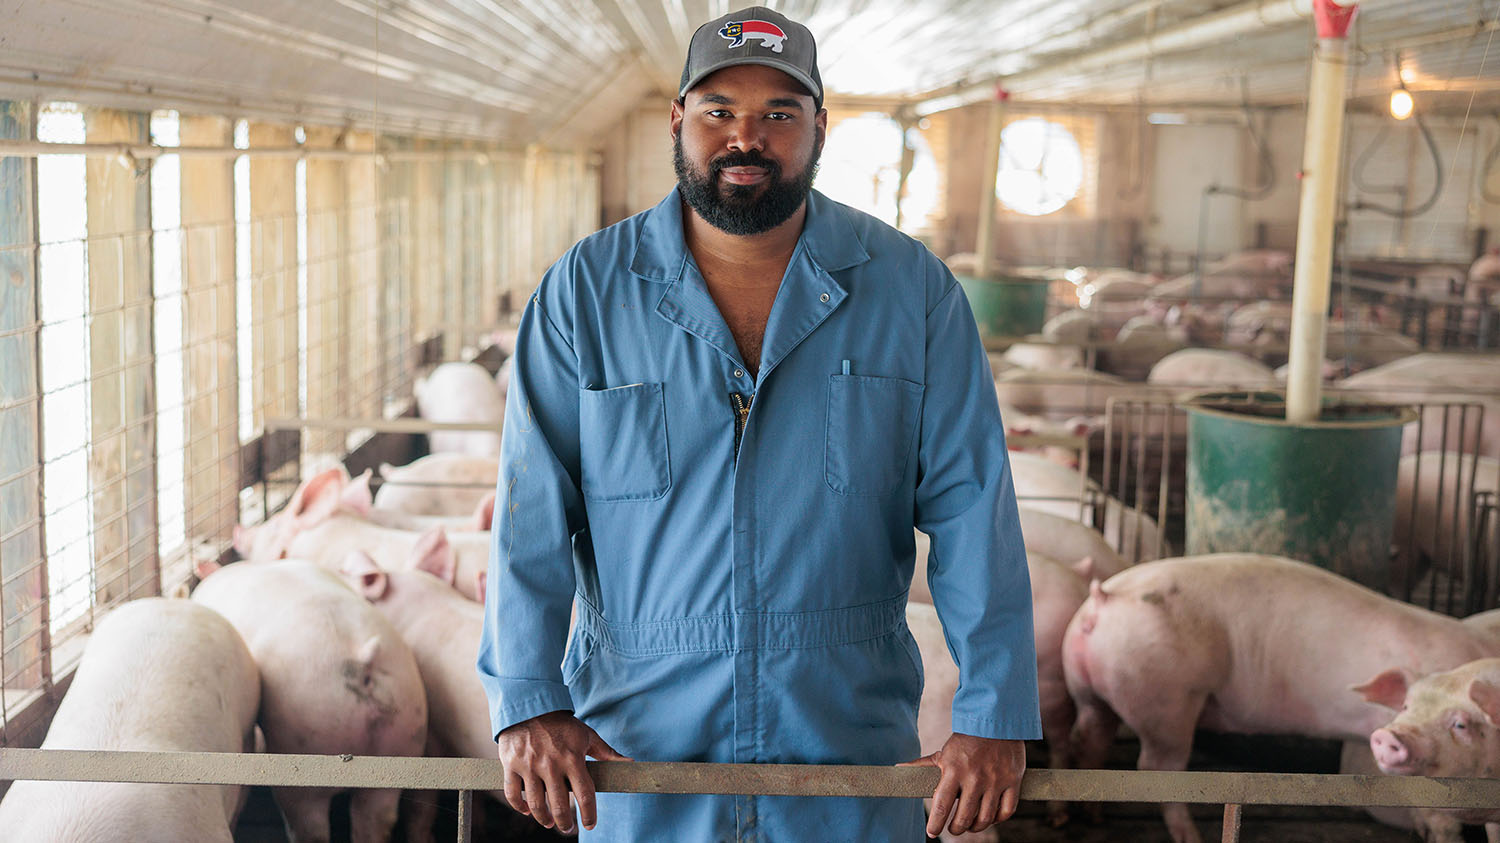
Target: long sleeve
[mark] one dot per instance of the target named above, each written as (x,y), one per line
(539,509)
(967,503)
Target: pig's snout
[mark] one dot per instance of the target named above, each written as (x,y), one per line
(1390,753)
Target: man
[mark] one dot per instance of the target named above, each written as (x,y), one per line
(726,415)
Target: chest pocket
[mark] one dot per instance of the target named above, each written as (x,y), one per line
(871,424)
(623,443)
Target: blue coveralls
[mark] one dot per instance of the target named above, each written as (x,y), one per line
(741,577)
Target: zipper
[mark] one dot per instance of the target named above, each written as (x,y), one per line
(741,405)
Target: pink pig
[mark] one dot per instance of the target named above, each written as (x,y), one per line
(1240,642)
(336,678)
(1448,725)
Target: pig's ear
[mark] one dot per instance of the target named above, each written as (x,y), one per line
(1085,568)
(319,497)
(434,555)
(1387,689)
(484,514)
(1486,695)
(241,539)
(205,568)
(361,572)
(356,496)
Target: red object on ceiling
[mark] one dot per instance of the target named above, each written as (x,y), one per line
(1333,20)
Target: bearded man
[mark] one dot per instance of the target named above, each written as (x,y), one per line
(726,416)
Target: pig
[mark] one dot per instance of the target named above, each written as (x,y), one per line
(336,678)
(502,377)
(1056,593)
(1435,378)
(1447,725)
(358,499)
(443,630)
(1043,356)
(1212,369)
(157,675)
(1077,327)
(1488,622)
(1170,646)
(1439,482)
(438,484)
(1044,485)
(1486,267)
(1061,394)
(1045,534)
(461,392)
(1139,345)
(318,526)
(270,539)
(1019,426)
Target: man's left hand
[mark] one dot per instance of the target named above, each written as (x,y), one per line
(981,783)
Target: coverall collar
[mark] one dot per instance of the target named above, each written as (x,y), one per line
(808,294)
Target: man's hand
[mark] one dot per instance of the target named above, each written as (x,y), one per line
(544,758)
(981,783)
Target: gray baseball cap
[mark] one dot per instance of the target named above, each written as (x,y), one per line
(755,35)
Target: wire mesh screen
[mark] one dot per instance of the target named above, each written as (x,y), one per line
(156,311)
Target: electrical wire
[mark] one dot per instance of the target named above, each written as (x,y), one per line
(1364,161)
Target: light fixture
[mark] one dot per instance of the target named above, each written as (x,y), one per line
(1401,104)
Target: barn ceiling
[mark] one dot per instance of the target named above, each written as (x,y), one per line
(562,72)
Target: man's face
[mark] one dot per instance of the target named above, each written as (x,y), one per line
(745,145)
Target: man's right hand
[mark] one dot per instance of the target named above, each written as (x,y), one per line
(544,758)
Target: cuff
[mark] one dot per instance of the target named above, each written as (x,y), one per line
(531,699)
(1022,728)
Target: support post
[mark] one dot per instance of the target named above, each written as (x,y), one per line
(985,239)
(1315,217)
(122,371)
(210,345)
(25,642)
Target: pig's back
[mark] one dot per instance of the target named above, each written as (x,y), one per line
(158,675)
(1295,638)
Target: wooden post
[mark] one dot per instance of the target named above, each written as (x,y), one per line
(210,389)
(24,633)
(454,284)
(273,274)
(362,282)
(122,465)
(327,242)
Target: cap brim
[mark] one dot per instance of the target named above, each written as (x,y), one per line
(785,67)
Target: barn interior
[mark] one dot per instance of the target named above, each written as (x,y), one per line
(237,240)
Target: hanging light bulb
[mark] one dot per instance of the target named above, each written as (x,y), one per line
(1401,104)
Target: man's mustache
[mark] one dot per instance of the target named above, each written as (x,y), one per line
(744,159)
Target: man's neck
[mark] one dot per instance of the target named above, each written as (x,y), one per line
(712,247)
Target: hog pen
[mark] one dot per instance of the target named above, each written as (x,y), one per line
(235,240)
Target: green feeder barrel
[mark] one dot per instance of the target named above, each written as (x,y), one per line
(1007,305)
(1322,492)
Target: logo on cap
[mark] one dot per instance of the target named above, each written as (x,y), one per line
(735,32)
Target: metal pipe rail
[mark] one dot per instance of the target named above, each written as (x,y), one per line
(467,775)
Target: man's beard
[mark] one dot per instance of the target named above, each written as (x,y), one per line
(737,210)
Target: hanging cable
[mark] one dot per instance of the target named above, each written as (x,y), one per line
(1364,160)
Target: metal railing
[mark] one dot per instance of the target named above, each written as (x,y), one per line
(467,775)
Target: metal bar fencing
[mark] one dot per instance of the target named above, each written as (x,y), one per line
(1446,542)
(467,775)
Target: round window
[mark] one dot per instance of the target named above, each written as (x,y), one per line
(1041,167)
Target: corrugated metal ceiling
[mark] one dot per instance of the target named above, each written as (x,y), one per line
(563,71)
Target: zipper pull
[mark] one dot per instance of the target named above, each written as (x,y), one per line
(741,406)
